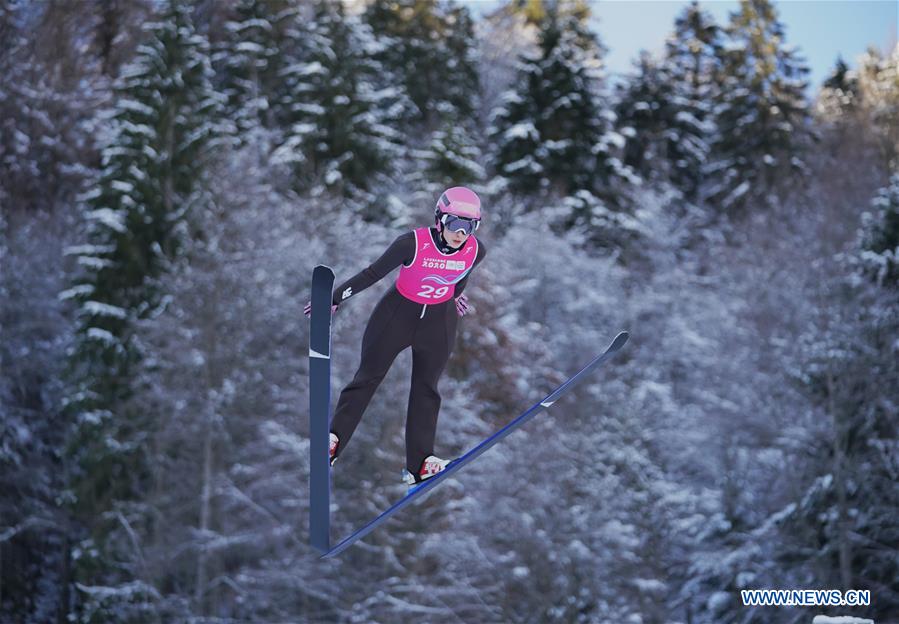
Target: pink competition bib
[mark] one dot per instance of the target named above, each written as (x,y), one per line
(432,276)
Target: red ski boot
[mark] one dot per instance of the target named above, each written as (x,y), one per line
(430,467)
(332,448)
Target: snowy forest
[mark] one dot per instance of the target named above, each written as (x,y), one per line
(172,170)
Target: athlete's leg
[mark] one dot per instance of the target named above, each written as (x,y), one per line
(431,349)
(388,332)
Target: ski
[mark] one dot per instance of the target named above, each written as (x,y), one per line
(419,491)
(320,408)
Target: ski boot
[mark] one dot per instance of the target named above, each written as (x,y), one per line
(332,448)
(430,467)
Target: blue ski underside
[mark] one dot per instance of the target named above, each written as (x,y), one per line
(421,490)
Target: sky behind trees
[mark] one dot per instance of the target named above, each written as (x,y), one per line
(822,29)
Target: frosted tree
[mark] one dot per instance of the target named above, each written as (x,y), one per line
(341,118)
(43,135)
(451,158)
(839,95)
(666,106)
(115,28)
(46,151)
(137,217)
(762,114)
(232,453)
(549,123)
(840,525)
(878,86)
(250,59)
(428,46)
(692,56)
(552,132)
(645,108)
(878,256)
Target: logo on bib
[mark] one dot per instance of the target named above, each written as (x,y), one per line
(449,265)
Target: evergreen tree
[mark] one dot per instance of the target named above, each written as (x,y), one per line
(553,134)
(250,60)
(878,87)
(342,121)
(666,106)
(762,114)
(550,132)
(838,100)
(845,517)
(878,256)
(646,115)
(692,56)
(841,79)
(43,135)
(138,215)
(428,46)
(452,158)
(115,27)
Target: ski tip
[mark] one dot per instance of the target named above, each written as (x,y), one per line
(619,341)
(322,268)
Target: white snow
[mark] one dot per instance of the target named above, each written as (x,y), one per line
(718,601)
(90,262)
(94,417)
(527,162)
(88,250)
(76,291)
(101,335)
(520,572)
(113,219)
(121,185)
(95,308)
(521,130)
(137,107)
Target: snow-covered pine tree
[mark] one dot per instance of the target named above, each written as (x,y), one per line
(550,131)
(554,134)
(342,119)
(843,522)
(878,256)
(692,55)
(839,94)
(878,85)
(161,129)
(115,28)
(43,136)
(248,60)
(452,157)
(428,46)
(762,115)
(645,114)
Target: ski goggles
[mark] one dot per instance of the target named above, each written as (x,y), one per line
(460,224)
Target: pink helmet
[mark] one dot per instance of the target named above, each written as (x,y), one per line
(459,201)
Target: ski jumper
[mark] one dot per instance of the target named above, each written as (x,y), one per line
(418,311)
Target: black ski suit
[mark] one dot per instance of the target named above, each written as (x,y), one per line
(395,324)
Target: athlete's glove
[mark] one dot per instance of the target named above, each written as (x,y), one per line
(462,307)
(307,310)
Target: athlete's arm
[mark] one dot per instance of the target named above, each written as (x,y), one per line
(482,251)
(401,251)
